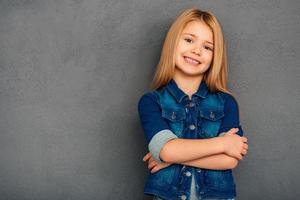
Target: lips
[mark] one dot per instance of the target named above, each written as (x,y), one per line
(191,60)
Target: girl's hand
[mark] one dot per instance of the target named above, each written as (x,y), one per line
(235,145)
(153,164)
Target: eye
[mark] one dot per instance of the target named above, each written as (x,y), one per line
(209,48)
(188,40)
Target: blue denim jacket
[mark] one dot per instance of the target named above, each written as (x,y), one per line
(168,113)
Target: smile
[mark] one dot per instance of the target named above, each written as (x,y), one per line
(191,61)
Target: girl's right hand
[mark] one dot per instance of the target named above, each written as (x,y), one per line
(153,165)
(235,145)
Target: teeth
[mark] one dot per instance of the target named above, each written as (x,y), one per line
(191,60)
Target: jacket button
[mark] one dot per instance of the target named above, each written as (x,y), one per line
(183,197)
(188,173)
(212,115)
(173,115)
(191,104)
(192,127)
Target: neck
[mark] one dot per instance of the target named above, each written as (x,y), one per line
(188,84)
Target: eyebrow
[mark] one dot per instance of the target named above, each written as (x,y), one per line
(196,36)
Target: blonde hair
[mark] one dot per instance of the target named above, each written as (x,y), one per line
(216,76)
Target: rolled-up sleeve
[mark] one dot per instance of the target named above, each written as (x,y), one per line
(156,130)
(231,118)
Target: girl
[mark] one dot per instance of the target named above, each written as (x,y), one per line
(190,119)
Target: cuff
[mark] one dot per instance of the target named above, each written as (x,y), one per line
(158,141)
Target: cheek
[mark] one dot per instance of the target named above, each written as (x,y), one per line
(182,47)
(208,57)
(179,53)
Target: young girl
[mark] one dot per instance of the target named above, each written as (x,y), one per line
(190,119)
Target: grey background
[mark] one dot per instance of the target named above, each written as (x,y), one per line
(71,73)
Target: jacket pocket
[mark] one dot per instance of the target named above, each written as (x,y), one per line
(220,180)
(175,118)
(163,178)
(210,121)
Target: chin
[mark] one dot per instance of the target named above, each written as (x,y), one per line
(191,73)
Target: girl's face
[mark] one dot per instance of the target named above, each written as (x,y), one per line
(194,52)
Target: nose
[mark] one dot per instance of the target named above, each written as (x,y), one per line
(197,50)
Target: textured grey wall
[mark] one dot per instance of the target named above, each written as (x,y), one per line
(71,73)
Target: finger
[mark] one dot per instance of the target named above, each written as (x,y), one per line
(239,157)
(147,156)
(155,169)
(244,152)
(244,139)
(233,131)
(151,159)
(151,164)
(245,146)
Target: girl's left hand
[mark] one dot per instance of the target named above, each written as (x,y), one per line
(153,164)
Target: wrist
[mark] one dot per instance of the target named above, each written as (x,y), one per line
(222,144)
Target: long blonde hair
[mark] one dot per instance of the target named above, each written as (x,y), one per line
(216,76)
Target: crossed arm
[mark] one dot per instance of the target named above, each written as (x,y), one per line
(200,153)
(217,162)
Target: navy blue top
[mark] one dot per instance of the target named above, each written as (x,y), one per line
(153,122)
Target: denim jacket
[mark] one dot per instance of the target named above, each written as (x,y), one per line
(168,113)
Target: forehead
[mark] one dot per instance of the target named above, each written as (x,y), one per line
(198,29)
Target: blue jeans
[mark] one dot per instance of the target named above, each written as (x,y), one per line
(158,198)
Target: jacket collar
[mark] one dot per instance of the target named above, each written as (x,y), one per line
(180,95)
